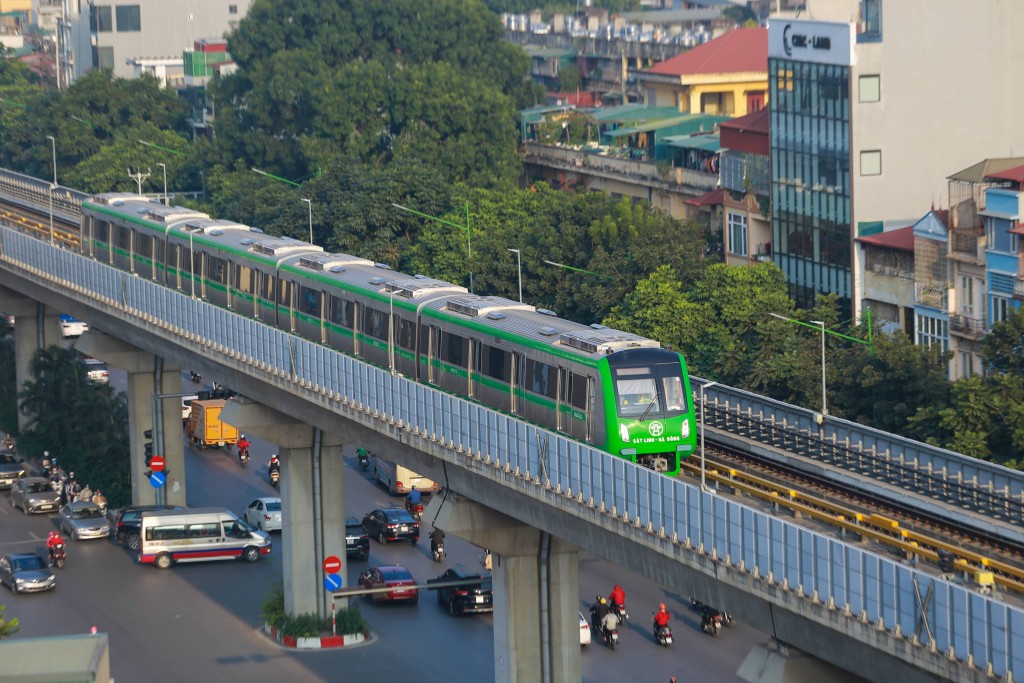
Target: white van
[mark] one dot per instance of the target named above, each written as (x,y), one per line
(197,535)
(397,479)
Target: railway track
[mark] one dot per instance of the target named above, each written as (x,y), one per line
(903,529)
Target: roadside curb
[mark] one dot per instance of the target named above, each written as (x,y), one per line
(318,643)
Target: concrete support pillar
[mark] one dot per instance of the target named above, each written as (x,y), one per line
(312,501)
(536,591)
(148,375)
(35,328)
(774,662)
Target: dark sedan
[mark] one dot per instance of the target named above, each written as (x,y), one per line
(357,542)
(391,524)
(471,598)
(10,472)
(393,577)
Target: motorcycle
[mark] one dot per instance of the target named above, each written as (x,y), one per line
(275,478)
(364,458)
(416,510)
(437,550)
(611,636)
(663,635)
(711,622)
(723,618)
(195,377)
(57,556)
(620,612)
(243,456)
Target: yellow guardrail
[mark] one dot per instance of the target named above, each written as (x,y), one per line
(983,570)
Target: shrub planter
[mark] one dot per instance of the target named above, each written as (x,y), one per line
(323,642)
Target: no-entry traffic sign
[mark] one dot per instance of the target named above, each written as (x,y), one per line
(332,564)
(157,463)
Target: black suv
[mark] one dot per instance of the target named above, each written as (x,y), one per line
(128,523)
(357,542)
(477,596)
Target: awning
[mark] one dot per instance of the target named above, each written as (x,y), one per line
(706,143)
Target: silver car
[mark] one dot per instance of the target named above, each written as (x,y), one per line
(83,519)
(34,494)
(26,573)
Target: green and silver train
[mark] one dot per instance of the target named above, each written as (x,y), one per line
(617,391)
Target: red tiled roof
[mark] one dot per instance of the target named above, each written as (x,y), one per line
(747,133)
(713,198)
(742,50)
(901,238)
(1015,174)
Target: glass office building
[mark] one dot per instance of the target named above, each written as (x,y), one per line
(809,100)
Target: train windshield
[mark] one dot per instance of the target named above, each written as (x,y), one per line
(650,392)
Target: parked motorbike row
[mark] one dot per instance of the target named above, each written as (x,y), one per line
(711,620)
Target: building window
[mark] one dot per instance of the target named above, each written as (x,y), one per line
(870,20)
(870,89)
(737,234)
(932,332)
(128,19)
(967,296)
(232,9)
(100,19)
(999,309)
(871,162)
(966,363)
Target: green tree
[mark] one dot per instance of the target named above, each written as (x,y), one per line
(569,78)
(8,627)
(1003,347)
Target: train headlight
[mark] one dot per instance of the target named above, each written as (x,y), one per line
(624,433)
(686,429)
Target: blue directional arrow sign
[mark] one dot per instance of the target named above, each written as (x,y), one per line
(332,582)
(157,479)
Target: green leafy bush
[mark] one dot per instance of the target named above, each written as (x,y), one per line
(347,620)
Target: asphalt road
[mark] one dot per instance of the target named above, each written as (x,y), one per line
(201,622)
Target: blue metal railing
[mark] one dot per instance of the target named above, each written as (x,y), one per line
(964,624)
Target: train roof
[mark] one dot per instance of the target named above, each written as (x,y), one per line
(440,299)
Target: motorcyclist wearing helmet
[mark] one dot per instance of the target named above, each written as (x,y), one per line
(243,445)
(661,618)
(617,598)
(53,541)
(436,539)
(275,464)
(598,611)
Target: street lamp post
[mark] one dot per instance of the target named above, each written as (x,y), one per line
(469,237)
(519,271)
(824,407)
(703,481)
(309,203)
(53,185)
(164,166)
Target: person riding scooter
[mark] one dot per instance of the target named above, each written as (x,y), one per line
(661,619)
(274,469)
(55,546)
(414,502)
(437,544)
(243,448)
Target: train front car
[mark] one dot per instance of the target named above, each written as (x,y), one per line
(648,411)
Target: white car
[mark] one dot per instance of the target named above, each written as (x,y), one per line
(72,327)
(264,514)
(584,631)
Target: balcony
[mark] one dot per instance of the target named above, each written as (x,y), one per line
(931,294)
(966,245)
(969,328)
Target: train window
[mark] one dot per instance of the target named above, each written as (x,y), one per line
(540,378)
(267,287)
(407,334)
(144,246)
(375,324)
(496,363)
(284,293)
(101,231)
(216,269)
(576,392)
(453,349)
(341,312)
(673,389)
(309,301)
(243,280)
(636,391)
(123,236)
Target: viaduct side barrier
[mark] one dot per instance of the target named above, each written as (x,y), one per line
(947,476)
(888,616)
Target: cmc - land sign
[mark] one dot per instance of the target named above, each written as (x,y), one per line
(811,41)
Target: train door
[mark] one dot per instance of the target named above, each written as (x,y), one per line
(433,349)
(357,315)
(515,381)
(472,367)
(563,381)
(176,259)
